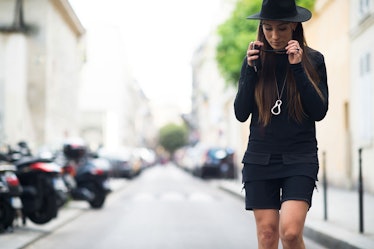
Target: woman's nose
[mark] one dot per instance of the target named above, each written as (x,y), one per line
(275,34)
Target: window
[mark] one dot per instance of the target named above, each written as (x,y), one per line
(365,65)
(366,110)
(364,8)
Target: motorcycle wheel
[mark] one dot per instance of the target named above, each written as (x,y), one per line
(7,214)
(47,211)
(99,199)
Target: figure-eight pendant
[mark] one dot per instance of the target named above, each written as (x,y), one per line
(276,110)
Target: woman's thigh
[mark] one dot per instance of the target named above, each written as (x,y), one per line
(266,218)
(292,216)
(296,198)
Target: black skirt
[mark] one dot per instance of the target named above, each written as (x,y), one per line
(262,166)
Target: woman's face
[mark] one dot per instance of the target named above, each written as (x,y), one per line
(278,33)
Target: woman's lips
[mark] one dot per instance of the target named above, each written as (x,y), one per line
(276,44)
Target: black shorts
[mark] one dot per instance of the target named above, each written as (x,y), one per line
(270,194)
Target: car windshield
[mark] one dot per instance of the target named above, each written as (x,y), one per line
(217,153)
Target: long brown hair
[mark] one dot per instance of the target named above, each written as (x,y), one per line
(265,92)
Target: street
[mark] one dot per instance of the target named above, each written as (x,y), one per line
(163,208)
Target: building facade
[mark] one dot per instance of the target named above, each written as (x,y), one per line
(349,124)
(114,110)
(212,117)
(39,75)
(333,132)
(361,35)
(57,80)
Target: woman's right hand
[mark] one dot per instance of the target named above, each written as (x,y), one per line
(252,53)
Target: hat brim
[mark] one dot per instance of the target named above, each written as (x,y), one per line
(303,15)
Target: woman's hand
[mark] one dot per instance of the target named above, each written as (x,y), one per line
(252,53)
(295,53)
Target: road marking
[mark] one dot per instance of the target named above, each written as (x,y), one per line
(141,197)
(172,196)
(200,197)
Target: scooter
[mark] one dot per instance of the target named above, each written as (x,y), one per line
(86,178)
(10,191)
(43,187)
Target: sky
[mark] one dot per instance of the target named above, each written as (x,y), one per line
(159,39)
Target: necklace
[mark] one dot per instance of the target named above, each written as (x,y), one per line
(276,110)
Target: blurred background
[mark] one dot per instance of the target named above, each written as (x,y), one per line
(124,75)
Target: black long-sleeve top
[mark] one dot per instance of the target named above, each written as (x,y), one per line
(290,142)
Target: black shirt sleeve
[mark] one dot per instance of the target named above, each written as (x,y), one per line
(244,100)
(314,106)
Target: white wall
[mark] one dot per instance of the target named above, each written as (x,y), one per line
(362,88)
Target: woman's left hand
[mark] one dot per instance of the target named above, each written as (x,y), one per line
(295,53)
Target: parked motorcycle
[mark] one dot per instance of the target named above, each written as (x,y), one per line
(10,191)
(86,177)
(43,188)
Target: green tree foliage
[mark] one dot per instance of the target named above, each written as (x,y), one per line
(172,137)
(236,33)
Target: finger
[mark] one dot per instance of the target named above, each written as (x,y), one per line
(251,45)
(296,49)
(250,59)
(292,44)
(252,50)
(293,49)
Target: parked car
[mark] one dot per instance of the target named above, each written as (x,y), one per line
(123,163)
(146,156)
(217,162)
(207,161)
(190,157)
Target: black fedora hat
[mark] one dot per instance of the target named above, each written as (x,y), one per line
(282,10)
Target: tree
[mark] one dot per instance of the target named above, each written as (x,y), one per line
(236,33)
(172,137)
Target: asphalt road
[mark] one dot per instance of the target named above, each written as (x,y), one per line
(162,208)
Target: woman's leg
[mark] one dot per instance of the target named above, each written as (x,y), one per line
(297,192)
(291,224)
(267,223)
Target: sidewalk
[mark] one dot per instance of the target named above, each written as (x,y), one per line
(341,230)
(24,236)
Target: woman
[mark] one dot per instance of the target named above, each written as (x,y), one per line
(283,87)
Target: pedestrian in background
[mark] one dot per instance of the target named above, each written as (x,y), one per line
(283,87)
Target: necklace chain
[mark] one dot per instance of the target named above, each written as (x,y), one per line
(276,110)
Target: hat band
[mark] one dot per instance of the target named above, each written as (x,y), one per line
(278,15)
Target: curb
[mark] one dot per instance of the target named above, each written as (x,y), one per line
(324,233)
(325,239)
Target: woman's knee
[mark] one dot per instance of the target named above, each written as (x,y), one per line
(292,220)
(268,235)
(290,236)
(267,222)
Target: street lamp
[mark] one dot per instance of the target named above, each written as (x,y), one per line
(18,25)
